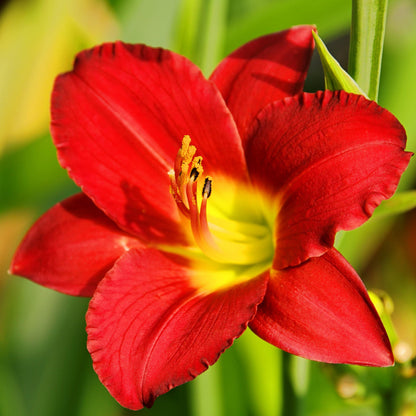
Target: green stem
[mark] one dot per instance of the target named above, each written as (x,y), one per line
(289,406)
(206,397)
(213,36)
(366,44)
(387,407)
(295,374)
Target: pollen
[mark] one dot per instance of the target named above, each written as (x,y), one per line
(196,168)
(186,141)
(229,244)
(183,160)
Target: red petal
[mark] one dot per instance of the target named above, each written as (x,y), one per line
(320,310)
(149,329)
(118,120)
(331,158)
(71,247)
(264,70)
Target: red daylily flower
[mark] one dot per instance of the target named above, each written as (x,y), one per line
(209,206)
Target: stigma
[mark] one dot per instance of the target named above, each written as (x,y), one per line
(191,191)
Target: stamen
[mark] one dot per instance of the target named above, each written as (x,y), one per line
(206,190)
(186,141)
(194,174)
(184,183)
(176,194)
(205,232)
(183,186)
(197,164)
(183,159)
(191,195)
(187,158)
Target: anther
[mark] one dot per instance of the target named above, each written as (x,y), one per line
(183,159)
(186,141)
(197,163)
(196,168)
(207,188)
(194,174)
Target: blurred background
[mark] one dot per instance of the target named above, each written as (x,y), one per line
(45,369)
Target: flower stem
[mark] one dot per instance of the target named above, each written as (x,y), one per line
(366,44)
(388,408)
(295,374)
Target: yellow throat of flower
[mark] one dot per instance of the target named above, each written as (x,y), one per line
(236,227)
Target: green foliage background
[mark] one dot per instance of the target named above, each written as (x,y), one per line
(45,369)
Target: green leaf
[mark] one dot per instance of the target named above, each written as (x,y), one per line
(336,78)
(299,374)
(207,398)
(213,36)
(399,203)
(200,31)
(366,47)
(384,306)
(374,230)
(187,27)
(263,366)
(396,92)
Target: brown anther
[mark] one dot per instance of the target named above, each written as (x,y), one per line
(194,174)
(207,188)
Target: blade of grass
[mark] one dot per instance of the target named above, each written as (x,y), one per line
(398,88)
(206,393)
(366,47)
(263,364)
(187,27)
(214,34)
(401,202)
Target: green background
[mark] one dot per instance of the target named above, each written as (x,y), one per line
(45,369)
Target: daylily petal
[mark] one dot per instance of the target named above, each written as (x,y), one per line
(330,158)
(118,120)
(264,70)
(71,247)
(151,329)
(320,310)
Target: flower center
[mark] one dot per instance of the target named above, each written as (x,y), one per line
(221,237)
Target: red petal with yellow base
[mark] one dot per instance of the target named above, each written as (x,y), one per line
(150,328)
(329,158)
(264,70)
(118,120)
(71,247)
(320,310)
